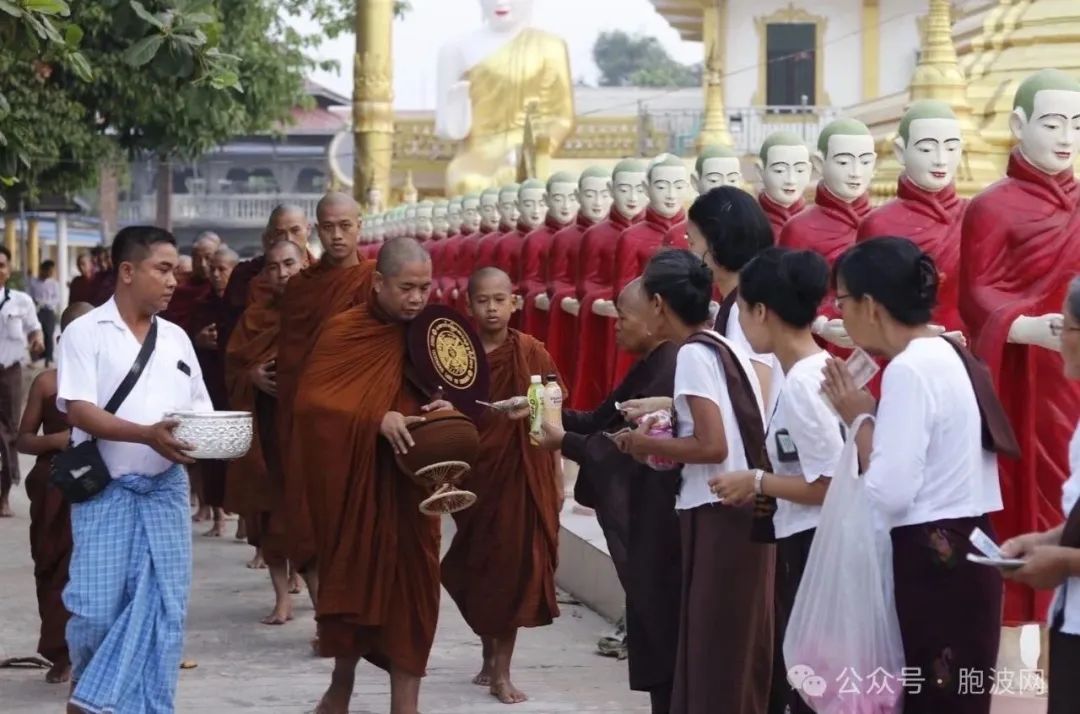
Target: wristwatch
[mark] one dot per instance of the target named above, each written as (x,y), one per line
(759,476)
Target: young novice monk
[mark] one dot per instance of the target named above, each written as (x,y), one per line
(500,569)
(50,517)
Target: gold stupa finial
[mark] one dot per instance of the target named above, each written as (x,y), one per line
(714,127)
(409,194)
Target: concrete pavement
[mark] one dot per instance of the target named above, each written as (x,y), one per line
(243,665)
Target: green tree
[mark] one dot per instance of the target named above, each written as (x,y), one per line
(639,61)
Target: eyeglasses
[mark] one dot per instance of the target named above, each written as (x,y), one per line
(838,301)
(1058,328)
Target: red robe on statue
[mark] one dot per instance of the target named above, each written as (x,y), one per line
(932,221)
(467,262)
(437,250)
(1020,250)
(777,214)
(676,236)
(592,370)
(562,272)
(635,247)
(507,254)
(533,279)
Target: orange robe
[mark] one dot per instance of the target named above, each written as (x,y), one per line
(500,568)
(255,484)
(50,542)
(378,556)
(311,298)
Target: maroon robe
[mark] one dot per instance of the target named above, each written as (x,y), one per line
(592,371)
(635,247)
(562,270)
(533,279)
(932,221)
(1019,247)
(103,285)
(777,214)
(187,295)
(211,310)
(81,289)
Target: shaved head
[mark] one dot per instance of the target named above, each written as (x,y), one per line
(483,275)
(286,246)
(632,332)
(227,254)
(336,199)
(208,238)
(74,310)
(397,253)
(634,290)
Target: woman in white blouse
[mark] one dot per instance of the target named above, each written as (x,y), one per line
(926,471)
(780,292)
(1052,558)
(724,657)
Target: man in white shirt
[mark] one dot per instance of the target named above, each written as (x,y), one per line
(19,329)
(130,571)
(45,290)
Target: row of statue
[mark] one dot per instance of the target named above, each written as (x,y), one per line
(1005,257)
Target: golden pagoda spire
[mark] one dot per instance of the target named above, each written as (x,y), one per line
(938,76)
(714,128)
(409,194)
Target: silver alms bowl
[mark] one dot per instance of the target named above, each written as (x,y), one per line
(215,435)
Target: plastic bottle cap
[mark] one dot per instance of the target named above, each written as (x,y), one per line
(553,378)
(535,379)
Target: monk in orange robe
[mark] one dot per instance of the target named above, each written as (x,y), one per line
(50,511)
(208,476)
(337,282)
(378,555)
(500,568)
(255,486)
(196,287)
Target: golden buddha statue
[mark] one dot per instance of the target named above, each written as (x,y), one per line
(488,80)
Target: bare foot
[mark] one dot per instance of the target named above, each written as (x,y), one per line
(5,508)
(278,617)
(216,531)
(483,679)
(204,513)
(241,529)
(59,673)
(257,563)
(296,584)
(335,701)
(505,691)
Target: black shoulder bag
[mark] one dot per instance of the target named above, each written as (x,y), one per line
(78,471)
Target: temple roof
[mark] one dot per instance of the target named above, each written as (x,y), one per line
(683,15)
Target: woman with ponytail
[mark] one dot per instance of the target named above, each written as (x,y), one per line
(780,293)
(930,468)
(724,656)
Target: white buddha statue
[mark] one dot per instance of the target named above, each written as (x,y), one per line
(487,81)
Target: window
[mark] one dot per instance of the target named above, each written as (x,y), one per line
(791,72)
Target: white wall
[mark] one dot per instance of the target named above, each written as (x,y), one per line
(842,47)
(899,36)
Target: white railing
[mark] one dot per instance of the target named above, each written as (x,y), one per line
(239,210)
(749,126)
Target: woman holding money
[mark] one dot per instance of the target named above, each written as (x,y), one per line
(780,292)
(925,467)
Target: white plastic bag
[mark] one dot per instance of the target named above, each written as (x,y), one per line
(842,646)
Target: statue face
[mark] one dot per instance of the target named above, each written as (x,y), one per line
(423,223)
(470,214)
(374,197)
(668,186)
(562,202)
(628,193)
(723,171)
(787,174)
(932,153)
(594,196)
(506,14)
(489,211)
(1050,138)
(440,223)
(453,215)
(508,209)
(532,207)
(849,166)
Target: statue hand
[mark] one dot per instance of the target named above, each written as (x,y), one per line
(571,305)
(604,308)
(542,302)
(832,331)
(1042,331)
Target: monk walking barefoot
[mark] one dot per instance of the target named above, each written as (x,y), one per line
(377,554)
(500,568)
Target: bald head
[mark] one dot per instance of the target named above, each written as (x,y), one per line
(632,332)
(338,223)
(402,278)
(226,255)
(284,259)
(489,276)
(287,222)
(634,291)
(285,247)
(221,267)
(74,311)
(202,250)
(335,199)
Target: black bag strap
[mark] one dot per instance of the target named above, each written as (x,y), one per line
(136,370)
